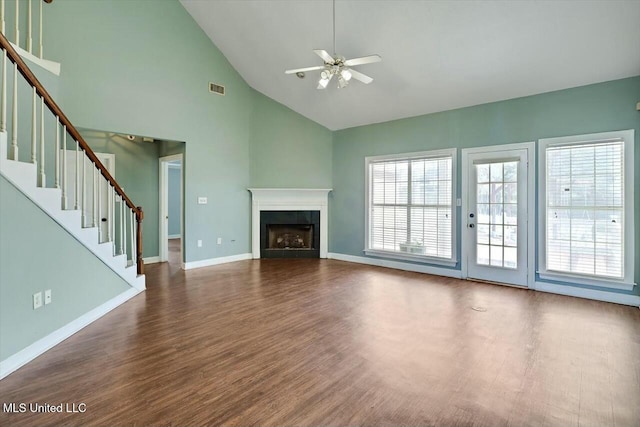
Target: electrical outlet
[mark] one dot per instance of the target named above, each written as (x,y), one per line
(47,297)
(219,240)
(202,200)
(199,243)
(37,300)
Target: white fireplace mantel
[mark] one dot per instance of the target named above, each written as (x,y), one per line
(289,199)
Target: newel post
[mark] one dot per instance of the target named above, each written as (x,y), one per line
(140,261)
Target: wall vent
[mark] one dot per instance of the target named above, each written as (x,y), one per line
(219,89)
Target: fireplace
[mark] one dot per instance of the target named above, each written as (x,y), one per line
(290,234)
(297,216)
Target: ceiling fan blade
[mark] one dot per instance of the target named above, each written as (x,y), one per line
(302,70)
(359,76)
(363,60)
(325,56)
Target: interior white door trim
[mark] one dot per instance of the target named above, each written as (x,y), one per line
(163,249)
(530,147)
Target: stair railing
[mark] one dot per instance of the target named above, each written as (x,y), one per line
(30,22)
(86,196)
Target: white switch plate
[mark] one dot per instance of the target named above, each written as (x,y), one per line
(219,240)
(199,243)
(37,300)
(47,297)
(202,200)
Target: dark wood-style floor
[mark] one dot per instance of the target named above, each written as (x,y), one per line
(322,342)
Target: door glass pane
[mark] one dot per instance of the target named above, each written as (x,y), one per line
(482,255)
(497,214)
(483,234)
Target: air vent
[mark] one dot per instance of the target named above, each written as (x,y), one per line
(219,89)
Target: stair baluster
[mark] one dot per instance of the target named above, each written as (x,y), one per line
(42,178)
(76,201)
(109,217)
(17,21)
(29,29)
(122,228)
(57,155)
(94,199)
(34,118)
(64,167)
(13,155)
(100,237)
(40,32)
(3,91)
(112,196)
(133,238)
(83,191)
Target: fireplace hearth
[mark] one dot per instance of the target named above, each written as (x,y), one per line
(290,234)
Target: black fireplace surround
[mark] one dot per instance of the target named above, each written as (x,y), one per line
(290,234)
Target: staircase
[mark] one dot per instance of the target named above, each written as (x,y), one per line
(23,176)
(92,207)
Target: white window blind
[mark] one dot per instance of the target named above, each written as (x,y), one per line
(411,206)
(585,207)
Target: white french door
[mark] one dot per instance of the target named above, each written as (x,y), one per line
(495,227)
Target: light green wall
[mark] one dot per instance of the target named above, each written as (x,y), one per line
(287,149)
(143,68)
(137,172)
(54,260)
(169,148)
(589,109)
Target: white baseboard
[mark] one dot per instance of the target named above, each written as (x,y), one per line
(572,291)
(151,259)
(398,265)
(216,261)
(173,236)
(29,353)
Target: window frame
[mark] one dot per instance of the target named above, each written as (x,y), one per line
(368,250)
(627,281)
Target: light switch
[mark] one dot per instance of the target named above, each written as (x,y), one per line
(202,200)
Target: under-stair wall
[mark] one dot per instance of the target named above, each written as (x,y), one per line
(37,254)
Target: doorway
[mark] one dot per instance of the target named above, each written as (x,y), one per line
(171,208)
(497,208)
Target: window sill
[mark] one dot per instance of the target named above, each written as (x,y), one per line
(570,279)
(409,257)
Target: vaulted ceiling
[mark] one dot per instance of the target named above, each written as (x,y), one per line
(437,55)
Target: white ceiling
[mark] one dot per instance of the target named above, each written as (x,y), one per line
(436,55)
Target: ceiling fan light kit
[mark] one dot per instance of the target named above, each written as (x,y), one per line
(337,65)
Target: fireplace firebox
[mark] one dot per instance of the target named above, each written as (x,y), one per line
(290,234)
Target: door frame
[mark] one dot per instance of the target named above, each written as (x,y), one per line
(531,206)
(163,198)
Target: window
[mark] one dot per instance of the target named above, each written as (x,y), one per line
(586,201)
(412,206)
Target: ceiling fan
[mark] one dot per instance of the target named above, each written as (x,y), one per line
(337,65)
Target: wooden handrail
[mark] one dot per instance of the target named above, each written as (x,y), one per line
(71,129)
